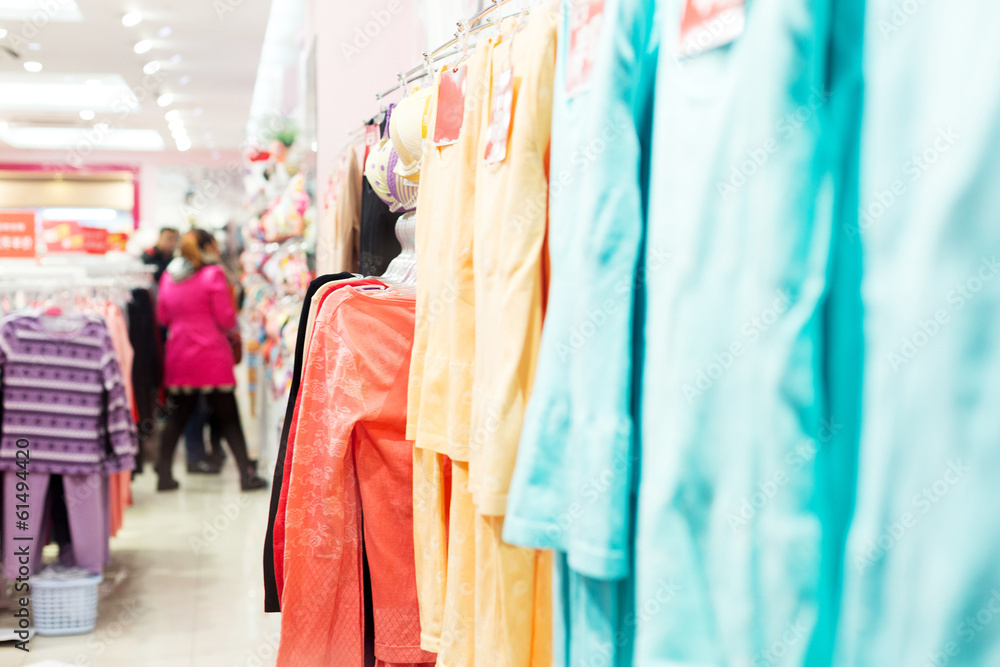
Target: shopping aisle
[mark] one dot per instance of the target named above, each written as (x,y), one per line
(184,586)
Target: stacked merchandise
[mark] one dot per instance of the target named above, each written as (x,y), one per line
(276,272)
(69,411)
(761,404)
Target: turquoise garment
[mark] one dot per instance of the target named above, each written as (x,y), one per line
(573,480)
(922,572)
(594,620)
(736,428)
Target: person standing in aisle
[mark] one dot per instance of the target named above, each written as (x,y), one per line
(162,253)
(196,306)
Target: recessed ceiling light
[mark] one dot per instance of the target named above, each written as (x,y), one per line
(152,67)
(176,58)
(183,144)
(197,111)
(33,66)
(173,114)
(143,46)
(3,33)
(165,31)
(176,124)
(131,19)
(165,100)
(184,80)
(87,114)
(34,46)
(68,137)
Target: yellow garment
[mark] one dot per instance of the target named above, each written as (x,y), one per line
(513,600)
(511,213)
(441,366)
(513,584)
(430,540)
(457,646)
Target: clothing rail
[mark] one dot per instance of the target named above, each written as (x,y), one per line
(432,57)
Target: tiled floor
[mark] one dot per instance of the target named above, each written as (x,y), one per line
(185,586)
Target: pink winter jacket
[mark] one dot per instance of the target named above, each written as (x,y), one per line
(197,311)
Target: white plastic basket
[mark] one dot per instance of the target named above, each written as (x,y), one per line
(65,606)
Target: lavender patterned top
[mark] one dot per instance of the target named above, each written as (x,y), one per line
(63,392)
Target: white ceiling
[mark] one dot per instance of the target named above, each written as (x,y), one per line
(208,63)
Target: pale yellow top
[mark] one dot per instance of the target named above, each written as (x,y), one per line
(441,367)
(511,214)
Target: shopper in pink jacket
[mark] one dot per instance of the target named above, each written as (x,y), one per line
(195,303)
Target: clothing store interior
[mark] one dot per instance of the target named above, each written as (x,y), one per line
(499,333)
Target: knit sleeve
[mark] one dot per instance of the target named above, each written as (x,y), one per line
(120,429)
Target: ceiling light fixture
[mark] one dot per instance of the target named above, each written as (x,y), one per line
(165,31)
(165,100)
(34,46)
(197,111)
(151,67)
(176,124)
(87,114)
(3,33)
(184,80)
(183,144)
(33,66)
(132,19)
(173,114)
(176,58)
(142,46)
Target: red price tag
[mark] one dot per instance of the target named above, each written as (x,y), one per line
(450,106)
(371,138)
(501,107)
(584,35)
(17,234)
(709,24)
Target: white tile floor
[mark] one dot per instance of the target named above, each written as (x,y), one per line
(184,588)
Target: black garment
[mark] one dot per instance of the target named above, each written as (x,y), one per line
(179,409)
(158,259)
(379,244)
(147,365)
(271,601)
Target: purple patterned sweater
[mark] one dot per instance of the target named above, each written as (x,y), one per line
(63,393)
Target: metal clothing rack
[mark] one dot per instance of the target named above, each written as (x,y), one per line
(466,28)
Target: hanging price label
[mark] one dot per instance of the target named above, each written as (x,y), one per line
(584,35)
(371,138)
(450,106)
(709,24)
(501,107)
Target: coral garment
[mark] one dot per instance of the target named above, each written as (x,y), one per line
(279,519)
(350,484)
(120,483)
(198,312)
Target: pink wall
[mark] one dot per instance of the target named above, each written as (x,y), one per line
(360,46)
